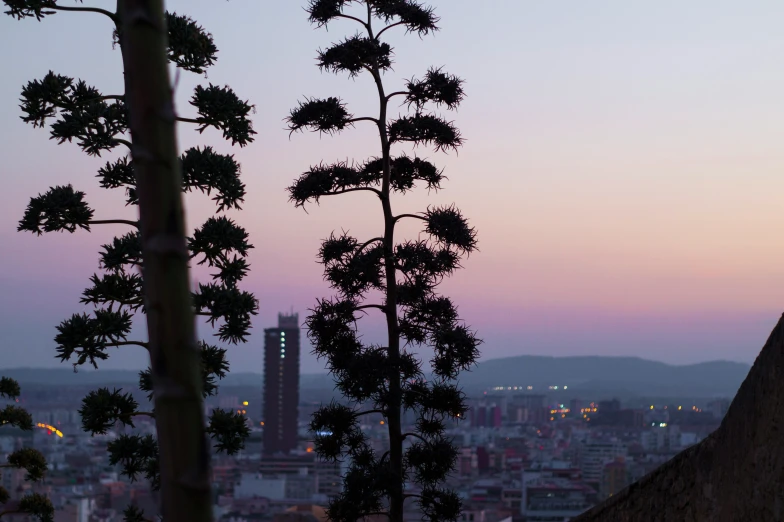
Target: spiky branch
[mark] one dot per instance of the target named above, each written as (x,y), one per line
(390,379)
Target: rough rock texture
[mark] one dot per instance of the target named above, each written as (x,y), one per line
(736,474)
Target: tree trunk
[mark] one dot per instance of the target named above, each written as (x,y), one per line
(175,360)
(396,498)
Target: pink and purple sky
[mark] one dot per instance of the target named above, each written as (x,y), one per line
(623,167)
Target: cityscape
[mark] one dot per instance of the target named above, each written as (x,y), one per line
(525,454)
(391,260)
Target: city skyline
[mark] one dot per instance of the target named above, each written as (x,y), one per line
(622,179)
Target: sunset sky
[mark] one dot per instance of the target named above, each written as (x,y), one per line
(623,165)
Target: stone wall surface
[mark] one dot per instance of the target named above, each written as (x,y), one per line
(734,475)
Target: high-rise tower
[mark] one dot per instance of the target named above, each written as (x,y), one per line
(281,385)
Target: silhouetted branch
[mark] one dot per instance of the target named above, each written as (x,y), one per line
(412,434)
(349,17)
(368,242)
(124,142)
(114,222)
(417,216)
(397,93)
(363,118)
(368,412)
(355,189)
(130,343)
(390,26)
(378,306)
(189,120)
(104,12)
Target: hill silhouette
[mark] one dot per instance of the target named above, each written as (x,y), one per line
(595,374)
(634,375)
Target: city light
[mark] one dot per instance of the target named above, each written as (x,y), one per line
(51,429)
(245,403)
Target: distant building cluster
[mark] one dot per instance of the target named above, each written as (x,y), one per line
(529,456)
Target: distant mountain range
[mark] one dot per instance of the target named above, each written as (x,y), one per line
(628,376)
(632,375)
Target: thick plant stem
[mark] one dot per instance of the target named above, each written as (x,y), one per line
(396,497)
(175,360)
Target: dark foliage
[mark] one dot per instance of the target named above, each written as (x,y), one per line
(437,87)
(102,409)
(133,514)
(124,252)
(202,169)
(120,174)
(417,17)
(448,226)
(229,430)
(425,129)
(323,116)
(137,456)
(58,209)
(405,172)
(17,417)
(96,122)
(221,108)
(9,388)
(38,506)
(31,461)
(325,180)
(78,112)
(323,11)
(29,8)
(389,379)
(207,171)
(356,54)
(190,46)
(28,459)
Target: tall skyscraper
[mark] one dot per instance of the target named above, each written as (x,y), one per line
(281,385)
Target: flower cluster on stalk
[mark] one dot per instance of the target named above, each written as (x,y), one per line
(358,269)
